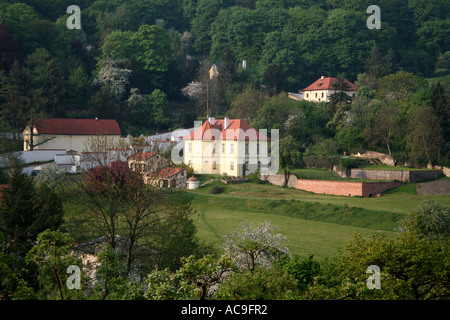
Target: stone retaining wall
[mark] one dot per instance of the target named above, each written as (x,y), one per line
(278,179)
(338,188)
(400,175)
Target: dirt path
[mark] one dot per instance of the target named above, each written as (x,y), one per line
(437,188)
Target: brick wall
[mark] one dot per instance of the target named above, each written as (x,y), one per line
(339,188)
(346,188)
(372,189)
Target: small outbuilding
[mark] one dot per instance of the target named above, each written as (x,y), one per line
(193,183)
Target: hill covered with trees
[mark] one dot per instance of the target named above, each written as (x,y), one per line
(146,64)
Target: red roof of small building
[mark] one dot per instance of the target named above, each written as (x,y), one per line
(167,172)
(237,130)
(327,84)
(78,126)
(142,155)
(3,187)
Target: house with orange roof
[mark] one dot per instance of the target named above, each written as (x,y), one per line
(169,177)
(228,147)
(157,170)
(147,162)
(322,89)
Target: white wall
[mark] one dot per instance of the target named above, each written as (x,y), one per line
(65,142)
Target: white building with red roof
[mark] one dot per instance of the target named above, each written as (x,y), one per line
(228,147)
(322,89)
(68,134)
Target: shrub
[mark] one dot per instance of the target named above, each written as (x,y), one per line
(322,162)
(217,189)
(350,163)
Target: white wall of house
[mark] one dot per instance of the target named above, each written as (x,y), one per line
(322,95)
(65,142)
(223,157)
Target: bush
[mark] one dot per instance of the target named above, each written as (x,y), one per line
(217,189)
(322,162)
(256,177)
(350,163)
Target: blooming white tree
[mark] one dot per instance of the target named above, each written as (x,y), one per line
(252,245)
(115,76)
(205,90)
(195,90)
(51,175)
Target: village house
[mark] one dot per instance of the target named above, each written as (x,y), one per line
(228,147)
(147,162)
(157,171)
(322,89)
(67,134)
(169,177)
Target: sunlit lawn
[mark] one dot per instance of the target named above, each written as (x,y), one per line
(320,226)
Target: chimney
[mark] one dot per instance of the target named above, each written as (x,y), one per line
(322,77)
(211,120)
(226,122)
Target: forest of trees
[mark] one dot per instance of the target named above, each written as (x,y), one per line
(146,64)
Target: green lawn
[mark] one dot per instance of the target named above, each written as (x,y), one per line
(305,236)
(314,224)
(316,174)
(402,200)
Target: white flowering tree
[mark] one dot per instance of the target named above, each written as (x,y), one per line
(195,90)
(205,90)
(51,175)
(253,245)
(114,75)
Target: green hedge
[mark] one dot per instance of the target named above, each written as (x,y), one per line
(327,162)
(322,162)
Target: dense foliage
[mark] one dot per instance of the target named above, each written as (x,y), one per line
(146,64)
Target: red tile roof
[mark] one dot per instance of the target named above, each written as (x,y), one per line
(327,84)
(142,155)
(78,126)
(167,172)
(3,187)
(237,130)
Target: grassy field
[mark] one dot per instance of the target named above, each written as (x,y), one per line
(314,224)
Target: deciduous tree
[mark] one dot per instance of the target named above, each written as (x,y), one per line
(425,136)
(253,245)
